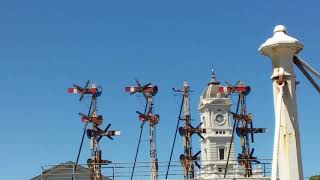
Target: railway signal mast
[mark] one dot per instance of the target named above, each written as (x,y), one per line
(187,159)
(95,133)
(243,127)
(148,91)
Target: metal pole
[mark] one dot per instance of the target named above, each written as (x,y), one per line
(299,64)
(114,172)
(186,138)
(316,73)
(153,166)
(41,172)
(73,171)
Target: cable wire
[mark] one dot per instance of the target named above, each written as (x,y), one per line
(232,136)
(175,137)
(82,138)
(139,141)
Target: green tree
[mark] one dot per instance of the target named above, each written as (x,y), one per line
(316,177)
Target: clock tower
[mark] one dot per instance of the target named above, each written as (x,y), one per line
(214,110)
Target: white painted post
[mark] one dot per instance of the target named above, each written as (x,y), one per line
(278,113)
(281,48)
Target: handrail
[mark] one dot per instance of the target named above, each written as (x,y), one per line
(122,170)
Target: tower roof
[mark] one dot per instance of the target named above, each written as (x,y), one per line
(212,90)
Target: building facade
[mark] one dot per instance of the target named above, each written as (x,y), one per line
(214,110)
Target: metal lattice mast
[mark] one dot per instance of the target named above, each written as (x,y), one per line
(94,164)
(243,126)
(187,159)
(148,92)
(153,151)
(243,132)
(189,168)
(95,134)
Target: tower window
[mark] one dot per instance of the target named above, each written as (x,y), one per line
(204,121)
(205,154)
(221,154)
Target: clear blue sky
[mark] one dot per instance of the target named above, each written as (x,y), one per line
(45,46)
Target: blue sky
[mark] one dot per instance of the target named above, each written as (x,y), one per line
(46,46)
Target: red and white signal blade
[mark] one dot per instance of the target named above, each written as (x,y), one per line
(74,90)
(83,119)
(225,89)
(242,88)
(131,89)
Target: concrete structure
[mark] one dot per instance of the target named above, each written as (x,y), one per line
(287,152)
(214,110)
(65,171)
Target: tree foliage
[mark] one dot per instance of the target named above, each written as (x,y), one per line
(316,177)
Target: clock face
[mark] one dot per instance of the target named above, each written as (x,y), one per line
(219,119)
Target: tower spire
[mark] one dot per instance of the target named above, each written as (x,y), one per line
(213,80)
(214,107)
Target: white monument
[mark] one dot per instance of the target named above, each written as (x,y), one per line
(287,151)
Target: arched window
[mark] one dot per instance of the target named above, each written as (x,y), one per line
(205,154)
(211,119)
(222,152)
(204,121)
